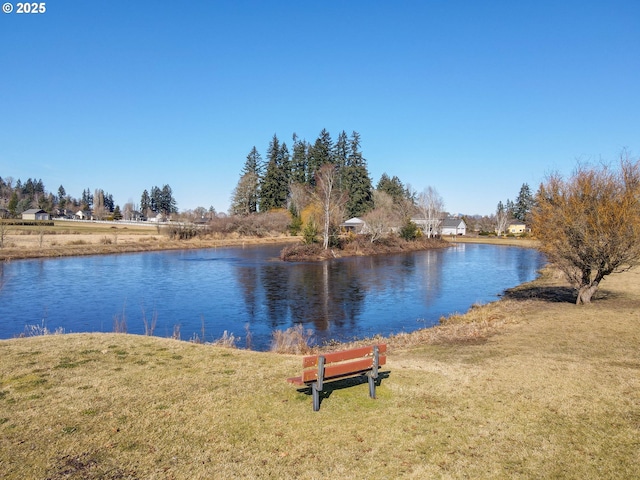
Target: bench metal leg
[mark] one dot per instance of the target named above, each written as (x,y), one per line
(373,374)
(372,386)
(316,397)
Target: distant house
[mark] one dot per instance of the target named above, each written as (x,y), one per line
(454,226)
(517,227)
(157,219)
(133,216)
(35,214)
(355,225)
(83,215)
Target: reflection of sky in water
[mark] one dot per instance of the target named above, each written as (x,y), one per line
(236,289)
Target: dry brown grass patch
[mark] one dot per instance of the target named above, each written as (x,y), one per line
(294,340)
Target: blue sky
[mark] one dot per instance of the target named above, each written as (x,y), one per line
(473,98)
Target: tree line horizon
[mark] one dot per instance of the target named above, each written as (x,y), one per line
(277,182)
(289,180)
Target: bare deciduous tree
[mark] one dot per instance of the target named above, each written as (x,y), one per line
(128,211)
(299,196)
(98,204)
(331,199)
(430,205)
(382,217)
(502,218)
(589,224)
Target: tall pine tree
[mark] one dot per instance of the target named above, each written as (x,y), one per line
(320,154)
(275,184)
(299,160)
(355,180)
(247,192)
(524,204)
(392,186)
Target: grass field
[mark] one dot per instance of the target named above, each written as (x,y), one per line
(66,238)
(532,386)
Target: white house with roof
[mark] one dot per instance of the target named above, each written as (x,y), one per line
(517,227)
(83,215)
(355,225)
(454,226)
(35,214)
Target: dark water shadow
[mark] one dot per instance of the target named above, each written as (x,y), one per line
(556,294)
(547,294)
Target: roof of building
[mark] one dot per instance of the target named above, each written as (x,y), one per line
(354,221)
(452,222)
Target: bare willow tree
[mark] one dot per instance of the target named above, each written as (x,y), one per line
(431,205)
(98,204)
(382,217)
(502,218)
(589,224)
(330,198)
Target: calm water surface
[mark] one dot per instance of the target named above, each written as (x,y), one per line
(248,289)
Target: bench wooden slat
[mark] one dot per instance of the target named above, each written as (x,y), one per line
(318,369)
(342,369)
(312,360)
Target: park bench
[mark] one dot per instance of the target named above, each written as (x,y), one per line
(318,369)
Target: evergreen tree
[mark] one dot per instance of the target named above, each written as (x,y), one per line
(117,214)
(299,159)
(145,202)
(510,209)
(62,200)
(39,187)
(108,202)
(356,181)
(13,203)
(28,190)
(392,186)
(341,151)
(167,204)
(275,184)
(524,203)
(355,155)
(247,192)
(357,184)
(284,162)
(253,163)
(244,198)
(87,199)
(320,154)
(156,199)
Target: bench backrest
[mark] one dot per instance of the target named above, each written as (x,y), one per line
(342,363)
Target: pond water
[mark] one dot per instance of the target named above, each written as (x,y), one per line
(249,292)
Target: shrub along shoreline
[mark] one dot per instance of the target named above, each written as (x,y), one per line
(358,246)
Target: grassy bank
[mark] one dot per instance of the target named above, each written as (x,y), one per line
(526,242)
(533,387)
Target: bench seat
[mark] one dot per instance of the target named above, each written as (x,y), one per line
(317,369)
